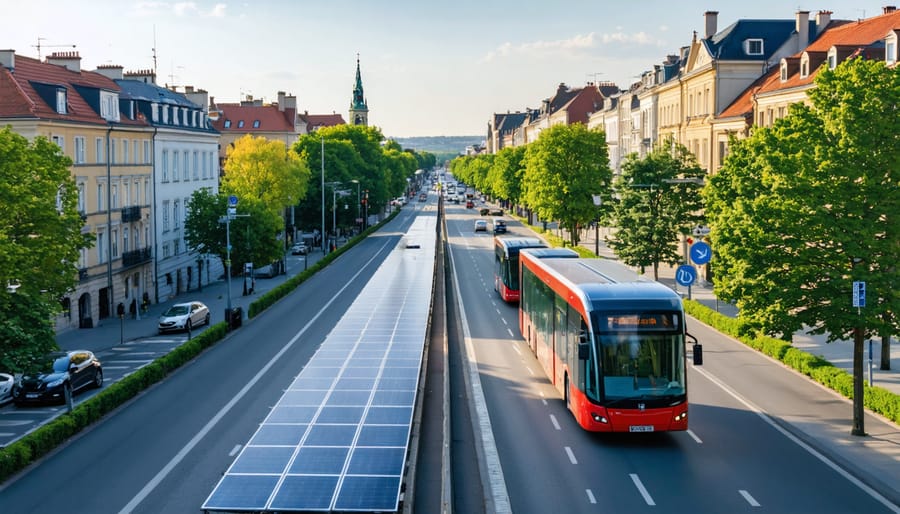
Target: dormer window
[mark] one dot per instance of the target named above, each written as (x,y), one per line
(240,123)
(154,112)
(227,123)
(784,71)
(753,46)
(890,49)
(61,101)
(109,106)
(804,66)
(255,123)
(832,58)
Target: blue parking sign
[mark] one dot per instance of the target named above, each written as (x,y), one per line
(859,294)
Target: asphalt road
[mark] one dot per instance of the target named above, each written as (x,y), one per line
(165,451)
(733,459)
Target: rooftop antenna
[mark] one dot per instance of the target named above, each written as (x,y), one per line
(39,45)
(593,76)
(154,51)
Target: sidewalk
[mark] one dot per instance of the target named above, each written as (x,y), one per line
(112,331)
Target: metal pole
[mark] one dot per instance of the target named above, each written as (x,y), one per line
(228,265)
(597,237)
(323,194)
(334,212)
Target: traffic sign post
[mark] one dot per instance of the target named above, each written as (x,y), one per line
(859,294)
(701,253)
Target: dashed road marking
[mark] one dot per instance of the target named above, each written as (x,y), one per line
(555,422)
(234,451)
(692,434)
(750,499)
(590,496)
(571,455)
(641,489)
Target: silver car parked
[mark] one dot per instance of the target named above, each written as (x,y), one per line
(184,316)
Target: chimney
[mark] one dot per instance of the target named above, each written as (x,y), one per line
(802,30)
(823,18)
(8,59)
(281,101)
(110,71)
(145,76)
(71,60)
(188,90)
(888,9)
(198,96)
(711,21)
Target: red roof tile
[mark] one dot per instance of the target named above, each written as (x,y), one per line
(243,118)
(316,121)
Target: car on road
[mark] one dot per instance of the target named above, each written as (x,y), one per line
(423,197)
(499,227)
(480,225)
(496,212)
(470,204)
(184,316)
(59,374)
(6,385)
(299,249)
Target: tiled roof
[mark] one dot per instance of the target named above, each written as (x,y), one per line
(242,118)
(315,121)
(849,37)
(728,44)
(20,98)
(511,121)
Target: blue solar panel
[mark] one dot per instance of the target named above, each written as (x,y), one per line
(337,439)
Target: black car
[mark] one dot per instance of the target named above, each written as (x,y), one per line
(58,373)
(499,227)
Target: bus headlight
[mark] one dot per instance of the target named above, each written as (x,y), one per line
(598,418)
(681,417)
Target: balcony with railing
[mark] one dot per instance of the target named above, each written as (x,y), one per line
(132,213)
(135,257)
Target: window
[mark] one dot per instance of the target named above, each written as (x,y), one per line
(784,71)
(187,163)
(125,239)
(60,142)
(227,123)
(109,105)
(174,165)
(81,197)
(126,193)
(165,165)
(832,60)
(204,165)
(165,114)
(165,215)
(255,123)
(154,112)
(101,247)
(147,191)
(79,149)
(146,152)
(135,152)
(804,67)
(196,165)
(113,150)
(124,151)
(98,149)
(175,115)
(166,256)
(114,242)
(177,246)
(61,101)
(137,192)
(176,213)
(753,46)
(890,52)
(114,192)
(241,124)
(99,197)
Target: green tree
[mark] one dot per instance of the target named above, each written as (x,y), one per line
(261,168)
(658,199)
(563,169)
(802,210)
(40,241)
(505,174)
(253,233)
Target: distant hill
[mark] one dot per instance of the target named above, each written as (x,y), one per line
(439,144)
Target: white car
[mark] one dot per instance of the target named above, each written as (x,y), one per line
(6,386)
(184,316)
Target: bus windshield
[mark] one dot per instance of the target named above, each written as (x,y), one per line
(641,356)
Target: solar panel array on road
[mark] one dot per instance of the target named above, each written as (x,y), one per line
(338,437)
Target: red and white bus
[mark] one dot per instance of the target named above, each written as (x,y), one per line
(506,262)
(611,342)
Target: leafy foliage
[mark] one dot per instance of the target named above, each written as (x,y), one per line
(801,210)
(563,169)
(264,169)
(658,198)
(40,241)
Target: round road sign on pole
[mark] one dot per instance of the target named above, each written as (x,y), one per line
(685,275)
(701,252)
(232,201)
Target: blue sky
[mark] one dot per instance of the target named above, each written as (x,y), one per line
(429,68)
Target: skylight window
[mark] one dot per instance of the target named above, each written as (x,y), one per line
(241,124)
(255,123)
(753,46)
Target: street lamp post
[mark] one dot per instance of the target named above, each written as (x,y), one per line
(358,207)
(598,200)
(230,214)
(323,194)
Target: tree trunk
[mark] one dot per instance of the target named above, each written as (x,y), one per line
(885,351)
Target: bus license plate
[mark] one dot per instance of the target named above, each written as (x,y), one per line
(640,428)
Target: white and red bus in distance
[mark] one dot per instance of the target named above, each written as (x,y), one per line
(506,264)
(611,342)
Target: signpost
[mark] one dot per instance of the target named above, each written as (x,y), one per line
(701,253)
(685,275)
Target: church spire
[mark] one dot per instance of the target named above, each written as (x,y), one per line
(359,110)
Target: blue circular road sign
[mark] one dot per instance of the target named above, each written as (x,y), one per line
(232,200)
(701,252)
(685,275)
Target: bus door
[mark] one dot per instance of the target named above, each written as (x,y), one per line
(560,345)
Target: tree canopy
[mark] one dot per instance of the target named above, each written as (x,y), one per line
(40,242)
(264,169)
(563,169)
(658,198)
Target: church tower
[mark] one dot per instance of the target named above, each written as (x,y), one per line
(359,111)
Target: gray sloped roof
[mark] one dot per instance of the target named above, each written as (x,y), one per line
(139,90)
(728,44)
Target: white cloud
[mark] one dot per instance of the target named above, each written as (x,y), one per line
(218,11)
(147,8)
(184,8)
(568,46)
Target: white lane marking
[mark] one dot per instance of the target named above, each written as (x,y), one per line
(516,348)
(107,367)
(234,451)
(263,372)
(750,500)
(590,496)
(503,319)
(555,422)
(641,489)
(571,455)
(812,451)
(530,371)
(510,333)
(692,434)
